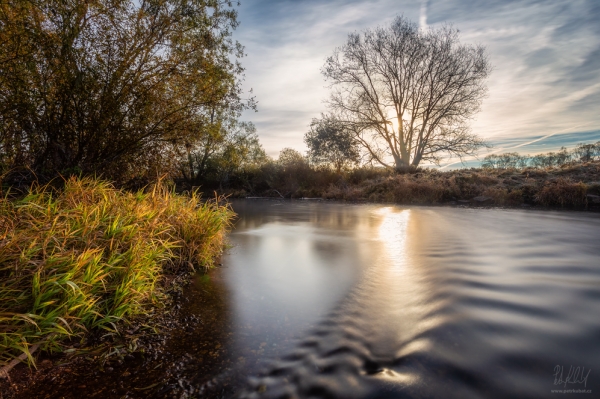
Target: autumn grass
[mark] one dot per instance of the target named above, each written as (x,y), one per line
(565,187)
(575,185)
(89,256)
(563,193)
(569,186)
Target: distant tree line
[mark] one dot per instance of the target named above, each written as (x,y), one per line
(581,153)
(293,174)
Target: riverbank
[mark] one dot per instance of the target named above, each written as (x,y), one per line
(182,355)
(571,186)
(93,271)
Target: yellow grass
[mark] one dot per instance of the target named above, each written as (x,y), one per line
(90,255)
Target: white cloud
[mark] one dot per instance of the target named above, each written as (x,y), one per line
(423,14)
(535,48)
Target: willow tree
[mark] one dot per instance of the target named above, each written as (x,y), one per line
(406,93)
(116,87)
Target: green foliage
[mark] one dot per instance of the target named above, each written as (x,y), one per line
(113,87)
(90,255)
(288,158)
(292,172)
(220,155)
(330,143)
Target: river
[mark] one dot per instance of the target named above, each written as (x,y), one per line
(375,301)
(349,301)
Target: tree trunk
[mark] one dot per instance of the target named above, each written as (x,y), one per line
(401,164)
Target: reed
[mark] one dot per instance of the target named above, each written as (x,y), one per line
(89,256)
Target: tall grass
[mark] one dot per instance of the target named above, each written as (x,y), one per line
(90,255)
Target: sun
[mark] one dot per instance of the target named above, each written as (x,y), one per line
(395,124)
(393,121)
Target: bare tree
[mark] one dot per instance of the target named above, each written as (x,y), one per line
(505,161)
(407,94)
(587,152)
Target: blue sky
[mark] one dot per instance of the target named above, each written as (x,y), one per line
(545,54)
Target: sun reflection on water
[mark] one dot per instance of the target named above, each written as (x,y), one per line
(393,234)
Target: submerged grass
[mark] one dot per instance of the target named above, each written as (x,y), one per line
(90,255)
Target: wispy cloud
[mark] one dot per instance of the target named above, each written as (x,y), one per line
(546,57)
(423,14)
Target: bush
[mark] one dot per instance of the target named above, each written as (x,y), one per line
(594,189)
(89,255)
(562,192)
(503,196)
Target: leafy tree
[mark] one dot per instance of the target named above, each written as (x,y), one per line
(292,172)
(217,157)
(113,86)
(407,94)
(288,158)
(330,143)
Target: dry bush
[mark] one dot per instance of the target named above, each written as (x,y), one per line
(464,186)
(336,192)
(403,189)
(333,193)
(360,175)
(504,196)
(509,187)
(593,188)
(484,179)
(533,172)
(562,192)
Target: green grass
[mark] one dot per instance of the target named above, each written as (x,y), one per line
(89,256)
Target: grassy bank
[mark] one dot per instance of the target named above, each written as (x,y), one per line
(89,256)
(572,185)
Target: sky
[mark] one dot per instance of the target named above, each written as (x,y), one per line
(545,56)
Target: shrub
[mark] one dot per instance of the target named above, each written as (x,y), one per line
(503,196)
(593,189)
(562,192)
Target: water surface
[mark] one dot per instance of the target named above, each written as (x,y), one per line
(371,301)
